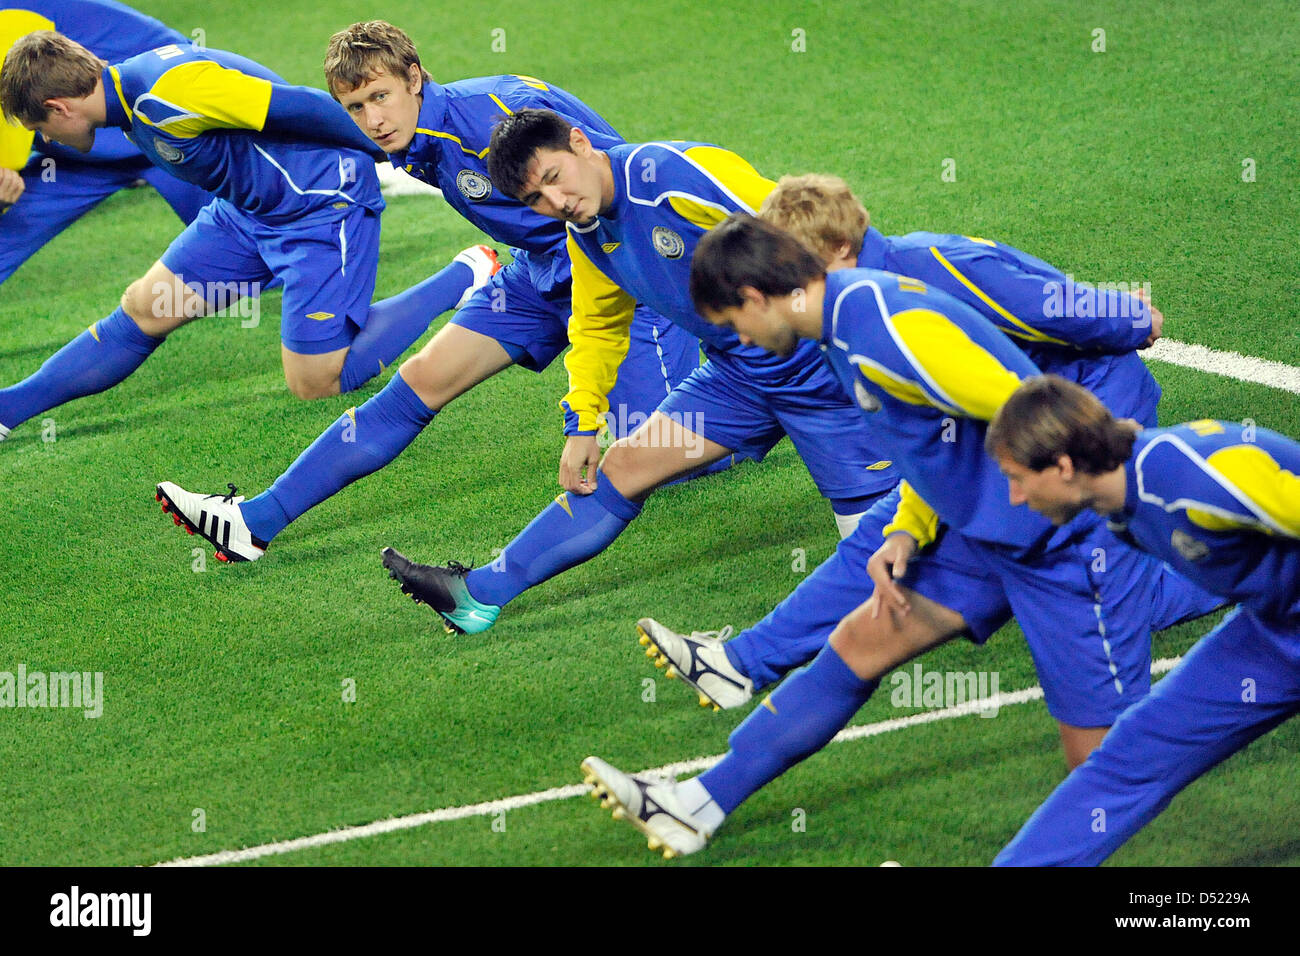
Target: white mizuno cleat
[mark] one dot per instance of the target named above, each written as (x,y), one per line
(698,659)
(483,260)
(4,433)
(649,804)
(216,517)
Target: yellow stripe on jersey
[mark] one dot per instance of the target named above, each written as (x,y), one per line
(121,97)
(974,380)
(1256,475)
(734,173)
(913,393)
(913,516)
(508,110)
(16,142)
(532,81)
(455,139)
(216,98)
(599,331)
(1026,331)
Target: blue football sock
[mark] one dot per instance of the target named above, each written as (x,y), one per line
(363,440)
(797,720)
(393,324)
(572,529)
(793,633)
(97,359)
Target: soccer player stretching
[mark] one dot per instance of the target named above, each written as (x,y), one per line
(1220,502)
(635,213)
(929,372)
(1093,345)
(439,134)
(297,200)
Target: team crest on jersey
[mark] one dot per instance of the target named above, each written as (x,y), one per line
(1190,548)
(473,186)
(667,243)
(865,399)
(168,152)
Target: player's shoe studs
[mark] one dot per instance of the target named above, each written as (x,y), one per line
(485,263)
(699,660)
(216,517)
(650,805)
(444,590)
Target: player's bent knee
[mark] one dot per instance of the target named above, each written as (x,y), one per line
(310,391)
(137,303)
(634,470)
(1080,742)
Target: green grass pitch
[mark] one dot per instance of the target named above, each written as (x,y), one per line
(1168,158)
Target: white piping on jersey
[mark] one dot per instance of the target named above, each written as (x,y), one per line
(343,246)
(305,192)
(947,403)
(671,193)
(1183,504)
(183,114)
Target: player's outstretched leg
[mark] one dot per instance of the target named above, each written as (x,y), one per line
(792,634)
(1193,719)
(575,528)
(651,805)
(813,704)
(108,351)
(393,324)
(368,437)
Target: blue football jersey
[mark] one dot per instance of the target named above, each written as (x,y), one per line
(203,116)
(930,373)
(1221,503)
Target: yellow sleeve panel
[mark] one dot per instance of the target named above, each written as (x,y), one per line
(216,98)
(16,142)
(963,374)
(914,516)
(1273,490)
(740,179)
(599,332)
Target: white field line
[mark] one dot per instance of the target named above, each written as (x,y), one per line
(697,765)
(1245,368)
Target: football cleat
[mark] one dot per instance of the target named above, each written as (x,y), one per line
(651,805)
(485,263)
(700,660)
(216,517)
(442,589)
(4,433)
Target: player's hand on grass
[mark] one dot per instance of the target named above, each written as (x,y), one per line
(886,567)
(1157,319)
(11,187)
(580,458)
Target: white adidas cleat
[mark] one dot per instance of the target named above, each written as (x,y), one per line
(216,517)
(650,805)
(483,260)
(698,659)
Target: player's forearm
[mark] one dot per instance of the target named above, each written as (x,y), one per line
(593,370)
(299,112)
